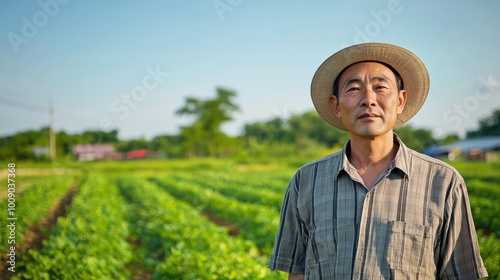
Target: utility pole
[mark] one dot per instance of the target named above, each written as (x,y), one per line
(52,134)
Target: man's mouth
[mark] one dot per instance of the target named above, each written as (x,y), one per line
(368,115)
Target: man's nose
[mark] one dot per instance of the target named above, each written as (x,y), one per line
(368,97)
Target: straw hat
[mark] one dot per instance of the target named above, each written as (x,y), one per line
(412,70)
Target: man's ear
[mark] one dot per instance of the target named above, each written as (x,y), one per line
(401,101)
(334,104)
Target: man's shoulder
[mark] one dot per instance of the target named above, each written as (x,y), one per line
(309,172)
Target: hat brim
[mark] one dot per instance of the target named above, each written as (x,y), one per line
(412,70)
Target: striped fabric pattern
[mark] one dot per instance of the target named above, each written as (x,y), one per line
(415,223)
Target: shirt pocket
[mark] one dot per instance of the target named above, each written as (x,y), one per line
(410,247)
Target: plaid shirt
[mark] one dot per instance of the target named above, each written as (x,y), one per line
(415,223)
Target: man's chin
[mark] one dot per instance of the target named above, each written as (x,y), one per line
(371,131)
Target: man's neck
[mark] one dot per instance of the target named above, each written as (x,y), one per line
(367,151)
(371,156)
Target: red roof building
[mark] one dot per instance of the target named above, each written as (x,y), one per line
(137,154)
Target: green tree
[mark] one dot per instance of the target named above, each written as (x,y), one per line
(204,136)
(301,130)
(300,134)
(488,126)
(416,138)
(310,126)
(274,130)
(133,144)
(99,136)
(20,145)
(169,145)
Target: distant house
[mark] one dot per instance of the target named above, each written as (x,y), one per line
(96,152)
(137,154)
(484,148)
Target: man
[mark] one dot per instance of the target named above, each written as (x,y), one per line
(376,209)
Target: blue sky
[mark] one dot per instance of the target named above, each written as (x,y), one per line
(130,65)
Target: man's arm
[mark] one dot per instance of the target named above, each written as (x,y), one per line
(293,276)
(459,252)
(289,247)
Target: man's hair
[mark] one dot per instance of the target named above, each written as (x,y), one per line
(399,80)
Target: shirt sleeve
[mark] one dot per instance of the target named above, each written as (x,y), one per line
(290,244)
(459,250)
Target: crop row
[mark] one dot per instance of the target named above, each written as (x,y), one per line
(483,197)
(256,222)
(242,191)
(489,245)
(275,181)
(482,184)
(31,205)
(183,244)
(89,243)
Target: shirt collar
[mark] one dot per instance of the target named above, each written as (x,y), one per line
(400,161)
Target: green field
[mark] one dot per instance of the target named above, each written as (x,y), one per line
(175,219)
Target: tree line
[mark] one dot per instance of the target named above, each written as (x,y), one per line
(204,137)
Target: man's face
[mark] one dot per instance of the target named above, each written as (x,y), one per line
(368,99)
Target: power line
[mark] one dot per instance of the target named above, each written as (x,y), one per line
(32,107)
(23,105)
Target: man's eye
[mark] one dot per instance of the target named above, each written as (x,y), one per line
(353,89)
